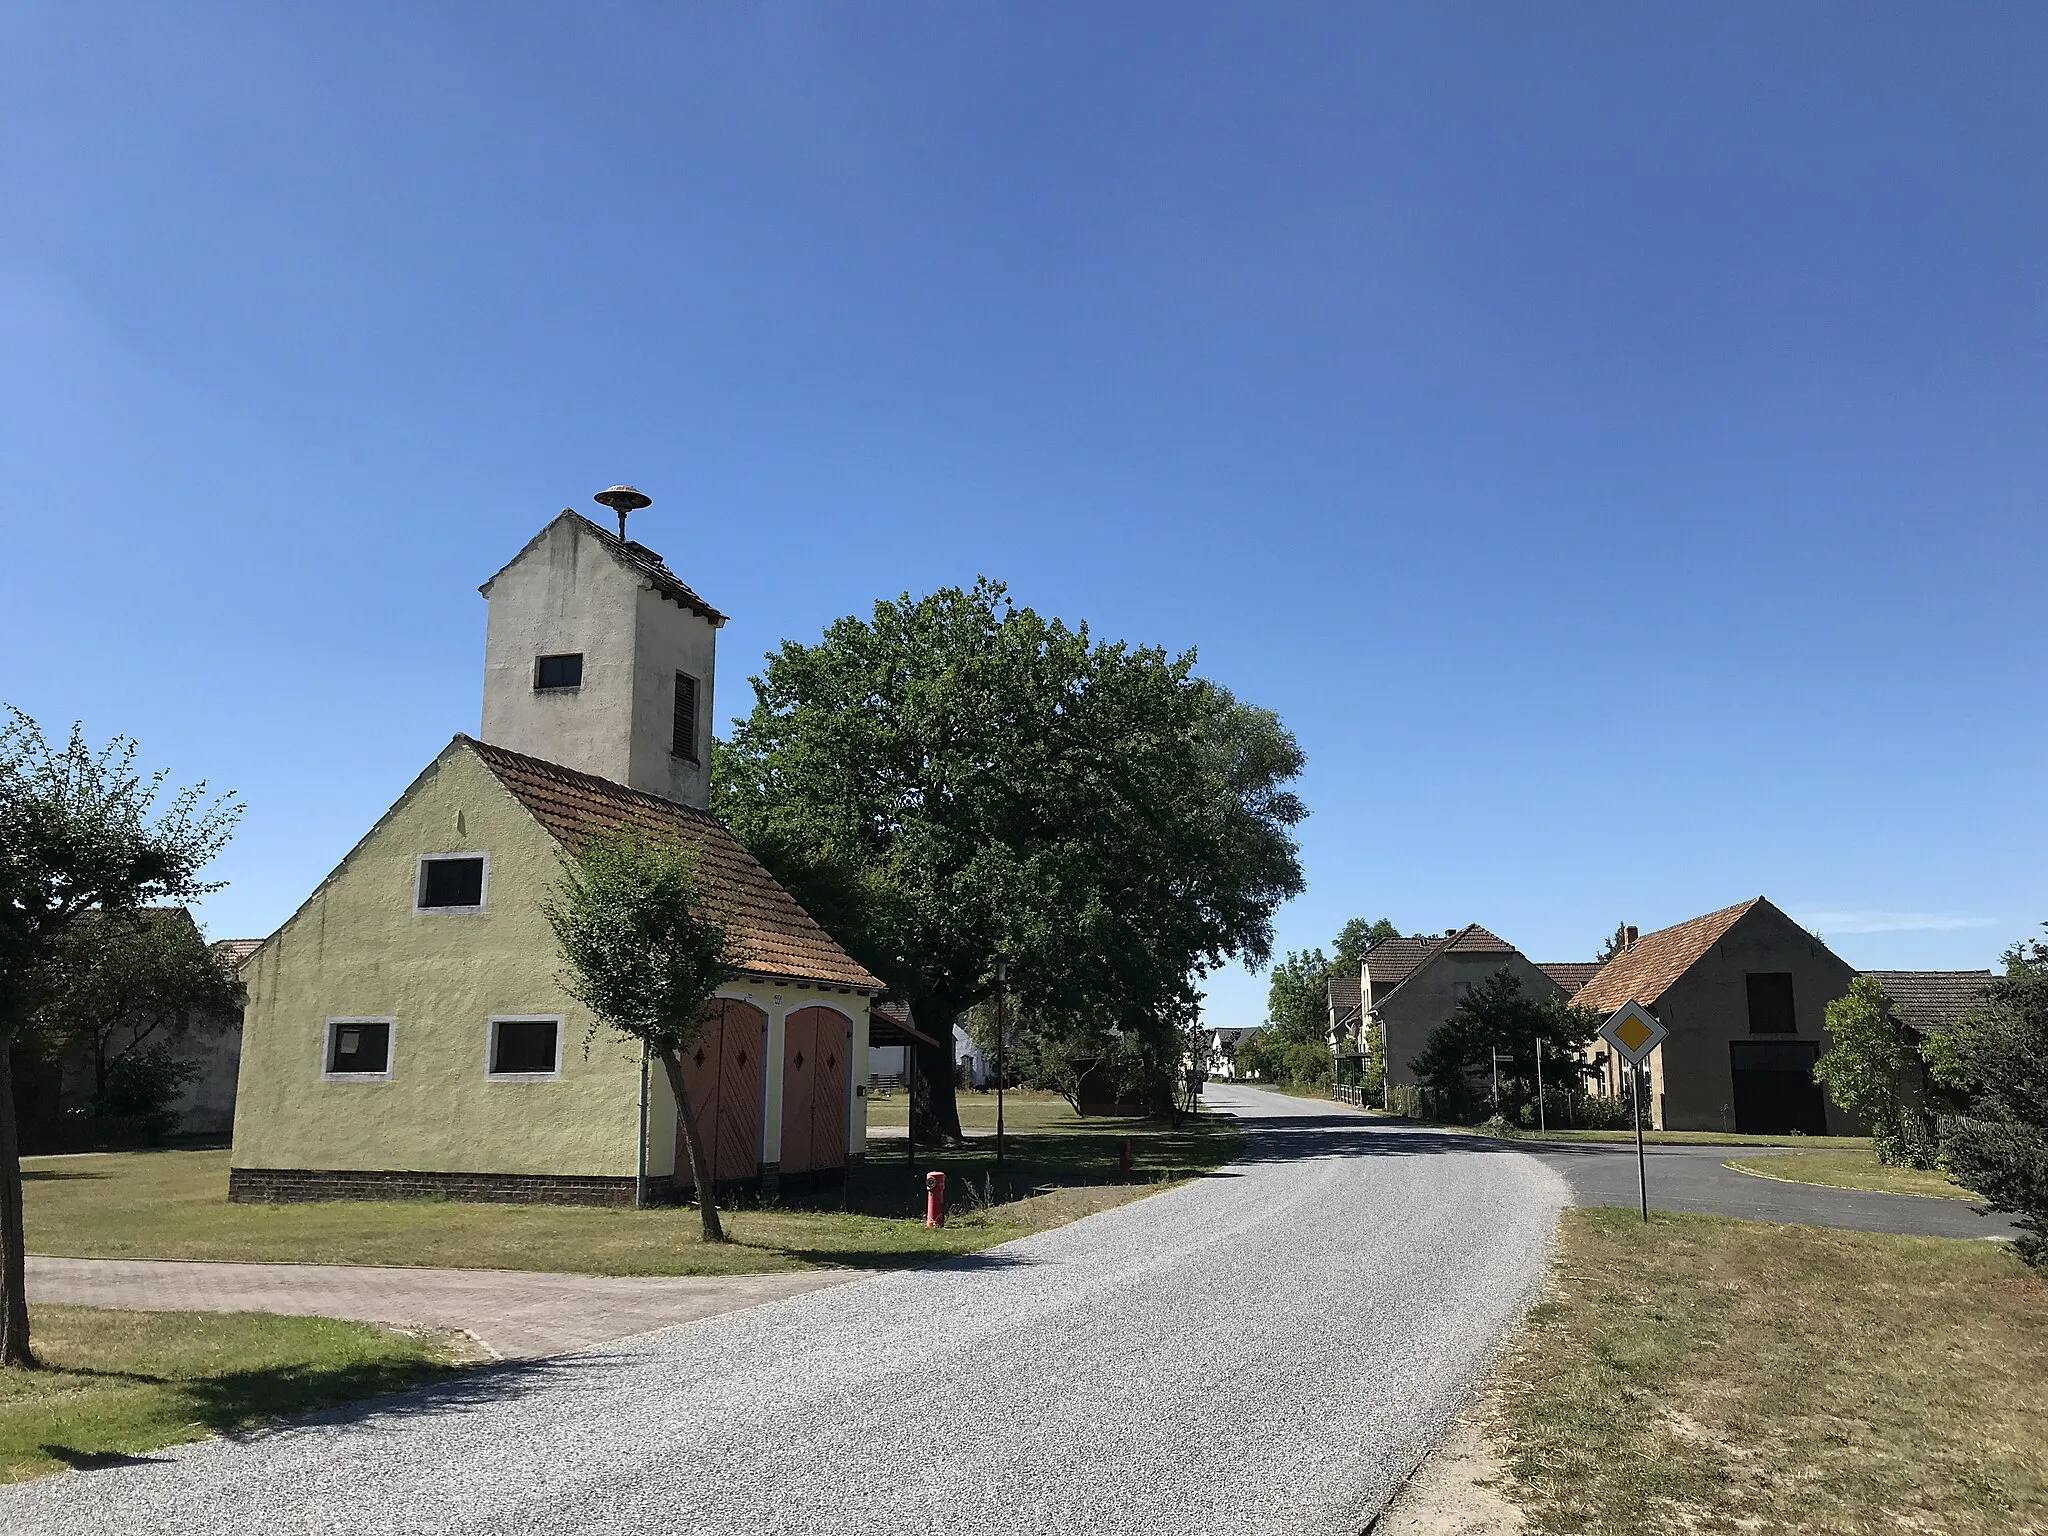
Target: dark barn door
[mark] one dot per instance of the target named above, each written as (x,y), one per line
(1775,1093)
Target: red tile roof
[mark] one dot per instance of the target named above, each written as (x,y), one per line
(1571,975)
(771,935)
(1407,956)
(1645,972)
(235,951)
(1391,961)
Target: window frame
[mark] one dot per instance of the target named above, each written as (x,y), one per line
(491,1047)
(419,883)
(541,687)
(339,1021)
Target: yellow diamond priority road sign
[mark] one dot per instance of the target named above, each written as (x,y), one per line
(1634,1032)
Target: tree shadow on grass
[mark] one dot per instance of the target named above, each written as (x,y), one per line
(248,1406)
(53,1175)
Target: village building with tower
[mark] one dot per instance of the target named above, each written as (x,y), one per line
(407,1030)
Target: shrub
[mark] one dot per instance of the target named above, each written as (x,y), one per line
(1997,1058)
(1872,1069)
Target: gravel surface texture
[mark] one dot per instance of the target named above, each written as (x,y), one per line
(1271,1349)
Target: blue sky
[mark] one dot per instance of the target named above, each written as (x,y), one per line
(1612,436)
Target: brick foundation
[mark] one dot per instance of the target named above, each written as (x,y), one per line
(277,1185)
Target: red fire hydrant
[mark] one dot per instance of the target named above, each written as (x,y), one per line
(935,1199)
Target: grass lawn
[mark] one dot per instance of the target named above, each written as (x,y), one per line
(1855,1169)
(174,1205)
(1024,1109)
(122,1383)
(1700,1374)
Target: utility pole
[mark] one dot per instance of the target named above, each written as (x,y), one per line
(1002,1033)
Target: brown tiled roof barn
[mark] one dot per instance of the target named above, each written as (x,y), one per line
(1657,960)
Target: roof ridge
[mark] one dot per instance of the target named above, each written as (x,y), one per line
(594,780)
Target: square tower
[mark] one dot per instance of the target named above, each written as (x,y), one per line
(598,657)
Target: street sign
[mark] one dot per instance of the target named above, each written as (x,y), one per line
(1634,1032)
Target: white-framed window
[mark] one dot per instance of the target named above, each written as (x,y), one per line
(524,1048)
(451,882)
(357,1050)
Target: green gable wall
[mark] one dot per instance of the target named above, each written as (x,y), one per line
(358,948)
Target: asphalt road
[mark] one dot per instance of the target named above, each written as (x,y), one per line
(1268,1350)
(1692,1178)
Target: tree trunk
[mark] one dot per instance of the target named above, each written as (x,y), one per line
(14,1348)
(693,1143)
(934,1110)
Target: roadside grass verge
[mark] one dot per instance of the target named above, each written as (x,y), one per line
(1703,1374)
(174,1205)
(1024,1109)
(120,1384)
(1855,1169)
(1704,1138)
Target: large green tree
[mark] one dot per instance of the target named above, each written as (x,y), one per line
(1996,1059)
(127,987)
(956,777)
(81,833)
(642,954)
(1355,938)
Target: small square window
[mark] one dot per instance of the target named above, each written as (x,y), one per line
(1770,1003)
(358,1048)
(557,672)
(525,1047)
(451,882)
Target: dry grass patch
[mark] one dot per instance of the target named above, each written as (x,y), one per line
(1858,1169)
(1699,1374)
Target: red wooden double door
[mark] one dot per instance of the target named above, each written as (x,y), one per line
(726,1073)
(817,1078)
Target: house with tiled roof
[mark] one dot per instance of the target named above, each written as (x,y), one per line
(407,1029)
(1410,986)
(1925,1000)
(1744,993)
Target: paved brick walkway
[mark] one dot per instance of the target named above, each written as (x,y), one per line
(514,1313)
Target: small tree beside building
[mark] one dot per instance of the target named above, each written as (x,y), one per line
(1872,1067)
(641,955)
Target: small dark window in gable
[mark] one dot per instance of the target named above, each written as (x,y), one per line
(551,672)
(359,1046)
(452,882)
(1770,1003)
(684,743)
(523,1046)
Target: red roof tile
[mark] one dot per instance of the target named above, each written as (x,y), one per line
(1645,972)
(771,935)
(1569,974)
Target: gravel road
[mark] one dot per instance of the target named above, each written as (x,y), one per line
(1268,1350)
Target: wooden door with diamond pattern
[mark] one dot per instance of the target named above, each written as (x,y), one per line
(726,1074)
(817,1065)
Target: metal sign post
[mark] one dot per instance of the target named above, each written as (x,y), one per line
(1542,1125)
(1633,1033)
